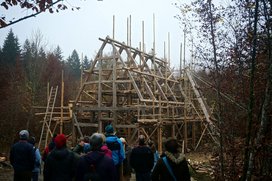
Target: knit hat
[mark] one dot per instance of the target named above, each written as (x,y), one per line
(60,141)
(109,129)
(23,135)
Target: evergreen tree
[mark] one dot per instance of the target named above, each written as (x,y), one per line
(73,62)
(11,50)
(86,63)
(58,53)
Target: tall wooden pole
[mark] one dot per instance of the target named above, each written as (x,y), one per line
(113,27)
(62,97)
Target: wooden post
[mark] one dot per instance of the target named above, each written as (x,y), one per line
(99,97)
(62,97)
(113,27)
(143,45)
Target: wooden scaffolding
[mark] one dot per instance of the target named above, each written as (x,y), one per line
(138,93)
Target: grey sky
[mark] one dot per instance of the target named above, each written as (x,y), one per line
(80,29)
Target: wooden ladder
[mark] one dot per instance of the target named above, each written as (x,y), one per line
(46,131)
(212,129)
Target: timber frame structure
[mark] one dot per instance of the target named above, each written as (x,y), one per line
(138,93)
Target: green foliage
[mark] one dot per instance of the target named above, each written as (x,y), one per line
(10,50)
(73,63)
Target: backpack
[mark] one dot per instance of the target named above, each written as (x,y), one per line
(113,145)
(92,175)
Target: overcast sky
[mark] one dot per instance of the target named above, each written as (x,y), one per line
(80,29)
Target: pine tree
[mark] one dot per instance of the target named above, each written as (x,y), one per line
(11,50)
(86,63)
(73,62)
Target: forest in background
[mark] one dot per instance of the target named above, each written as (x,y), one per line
(26,70)
(231,50)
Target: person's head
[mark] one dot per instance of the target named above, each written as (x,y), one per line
(96,141)
(171,145)
(81,141)
(141,140)
(109,130)
(86,139)
(32,140)
(24,135)
(60,141)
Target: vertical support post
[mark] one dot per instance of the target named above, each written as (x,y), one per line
(113,27)
(160,128)
(143,45)
(114,92)
(62,98)
(169,49)
(99,96)
(173,124)
(184,44)
(180,60)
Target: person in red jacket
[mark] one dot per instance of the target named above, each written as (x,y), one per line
(173,165)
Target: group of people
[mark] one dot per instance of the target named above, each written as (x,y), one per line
(102,157)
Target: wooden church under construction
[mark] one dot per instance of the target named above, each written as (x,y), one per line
(137,93)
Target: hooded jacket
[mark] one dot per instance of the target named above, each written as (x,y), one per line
(178,164)
(60,165)
(96,163)
(116,146)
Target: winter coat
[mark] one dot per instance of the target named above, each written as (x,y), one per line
(178,165)
(60,165)
(22,156)
(142,159)
(116,146)
(95,163)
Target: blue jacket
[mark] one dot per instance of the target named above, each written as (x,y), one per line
(22,156)
(116,146)
(37,165)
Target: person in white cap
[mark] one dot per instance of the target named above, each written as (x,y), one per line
(22,158)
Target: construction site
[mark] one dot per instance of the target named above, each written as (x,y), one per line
(136,92)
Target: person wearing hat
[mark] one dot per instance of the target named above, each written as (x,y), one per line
(22,158)
(173,165)
(61,162)
(95,165)
(116,146)
(142,160)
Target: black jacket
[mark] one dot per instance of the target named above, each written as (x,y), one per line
(22,156)
(178,165)
(142,159)
(60,165)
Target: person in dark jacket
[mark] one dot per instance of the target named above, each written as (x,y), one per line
(142,160)
(176,162)
(96,165)
(49,148)
(22,158)
(60,164)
